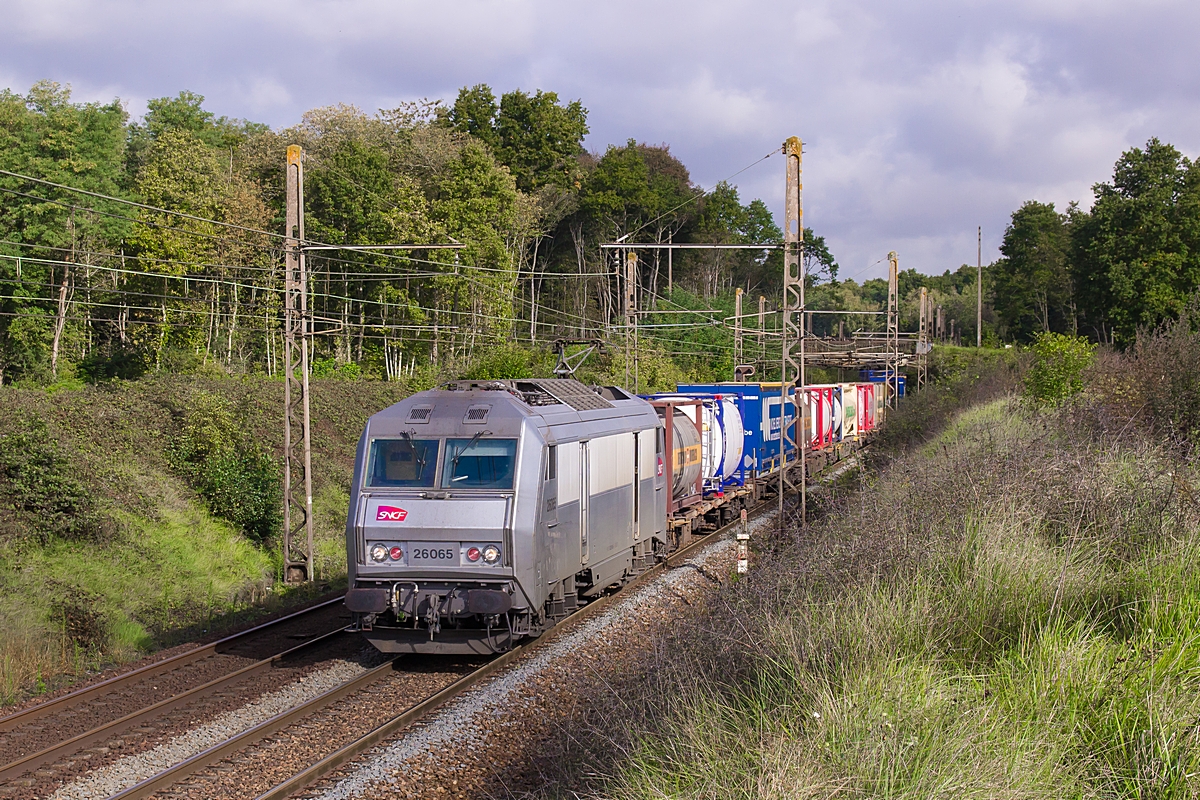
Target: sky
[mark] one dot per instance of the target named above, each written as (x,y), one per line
(921,120)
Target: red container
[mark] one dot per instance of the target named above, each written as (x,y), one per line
(819,400)
(866,407)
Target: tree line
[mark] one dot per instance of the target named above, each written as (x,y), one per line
(129,246)
(171,256)
(1129,263)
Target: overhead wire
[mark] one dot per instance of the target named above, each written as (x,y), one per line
(136,204)
(329,259)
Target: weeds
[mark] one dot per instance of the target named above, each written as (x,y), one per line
(1010,609)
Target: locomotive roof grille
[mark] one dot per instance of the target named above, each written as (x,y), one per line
(420,413)
(543,392)
(477,414)
(572,393)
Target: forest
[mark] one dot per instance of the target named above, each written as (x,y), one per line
(130,246)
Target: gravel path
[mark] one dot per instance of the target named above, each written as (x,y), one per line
(130,770)
(479,744)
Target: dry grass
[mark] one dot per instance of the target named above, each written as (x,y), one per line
(1007,610)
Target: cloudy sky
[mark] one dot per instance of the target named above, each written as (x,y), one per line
(920,120)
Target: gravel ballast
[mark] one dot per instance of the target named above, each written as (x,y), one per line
(130,770)
(479,744)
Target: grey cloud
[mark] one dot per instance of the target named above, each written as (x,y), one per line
(921,121)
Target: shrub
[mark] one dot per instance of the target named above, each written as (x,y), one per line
(79,613)
(330,368)
(506,362)
(1163,363)
(40,495)
(1056,373)
(239,482)
(113,363)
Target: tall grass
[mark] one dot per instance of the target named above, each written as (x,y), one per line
(1008,610)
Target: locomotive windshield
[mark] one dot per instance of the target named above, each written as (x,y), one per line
(402,462)
(479,463)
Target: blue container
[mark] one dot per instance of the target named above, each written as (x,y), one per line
(881,376)
(759,404)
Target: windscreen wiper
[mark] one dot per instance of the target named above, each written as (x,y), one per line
(420,457)
(459,454)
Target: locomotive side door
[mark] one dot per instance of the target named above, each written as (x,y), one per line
(637,486)
(585,501)
(660,480)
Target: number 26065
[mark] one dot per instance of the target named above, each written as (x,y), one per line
(433,553)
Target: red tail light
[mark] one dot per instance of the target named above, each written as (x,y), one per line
(396,553)
(473,554)
(660,466)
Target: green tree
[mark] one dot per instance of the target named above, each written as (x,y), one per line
(1137,253)
(535,136)
(818,261)
(1033,282)
(44,135)
(474,112)
(182,173)
(186,113)
(539,139)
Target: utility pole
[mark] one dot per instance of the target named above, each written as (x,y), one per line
(923,341)
(792,333)
(979,289)
(737,327)
(297,445)
(631,261)
(893,331)
(762,329)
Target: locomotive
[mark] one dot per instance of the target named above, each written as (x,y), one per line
(484,512)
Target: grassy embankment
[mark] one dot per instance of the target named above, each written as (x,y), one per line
(1010,607)
(136,513)
(123,523)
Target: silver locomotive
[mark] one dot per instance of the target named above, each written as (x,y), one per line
(484,512)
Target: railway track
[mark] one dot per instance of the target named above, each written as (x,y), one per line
(186,778)
(45,743)
(383,679)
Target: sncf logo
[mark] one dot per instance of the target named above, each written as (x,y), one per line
(390,514)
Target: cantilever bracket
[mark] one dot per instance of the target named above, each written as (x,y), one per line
(566,366)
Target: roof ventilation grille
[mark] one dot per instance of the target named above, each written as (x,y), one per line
(420,413)
(477,415)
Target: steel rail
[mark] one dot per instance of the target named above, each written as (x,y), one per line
(102,732)
(173,774)
(333,761)
(351,751)
(147,671)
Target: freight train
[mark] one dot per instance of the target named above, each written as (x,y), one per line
(484,512)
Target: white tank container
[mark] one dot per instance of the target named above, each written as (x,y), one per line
(722,435)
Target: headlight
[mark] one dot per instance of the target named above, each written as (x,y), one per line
(491,554)
(379,552)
